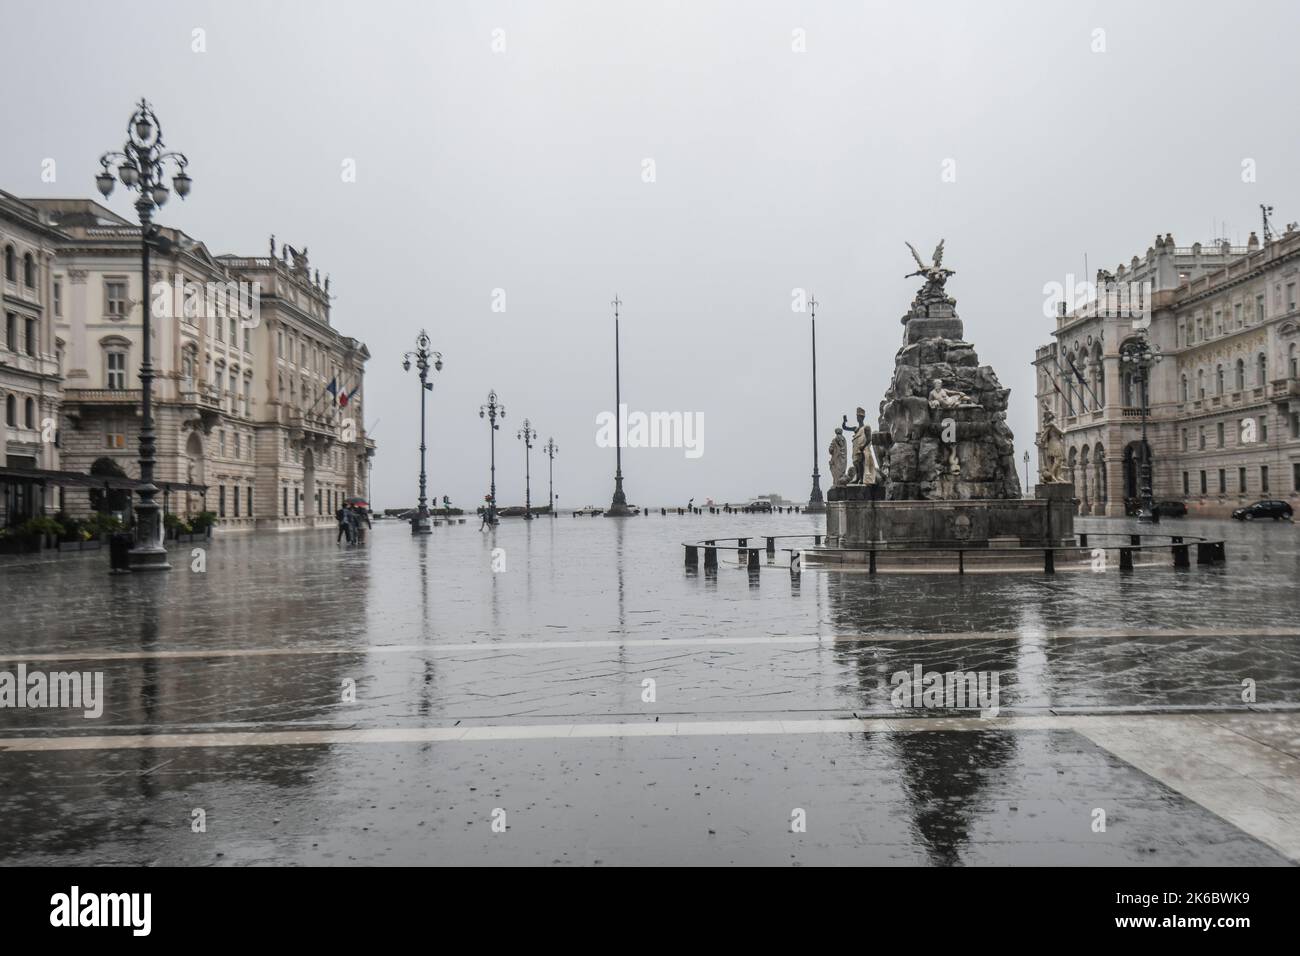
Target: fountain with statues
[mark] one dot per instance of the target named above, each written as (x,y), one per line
(940,470)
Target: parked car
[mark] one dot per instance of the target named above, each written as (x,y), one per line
(591,511)
(1267,508)
(1169,509)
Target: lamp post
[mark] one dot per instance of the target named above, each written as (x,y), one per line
(618,506)
(1140,355)
(1026,472)
(492,411)
(421,524)
(551,450)
(528,434)
(816,504)
(142,167)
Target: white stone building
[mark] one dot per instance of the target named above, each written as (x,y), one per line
(29,379)
(1224,421)
(243,351)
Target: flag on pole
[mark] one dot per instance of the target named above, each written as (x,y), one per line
(345,397)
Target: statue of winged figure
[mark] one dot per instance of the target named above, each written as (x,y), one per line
(935,273)
(935,276)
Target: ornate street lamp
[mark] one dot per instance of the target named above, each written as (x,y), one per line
(551,450)
(1026,492)
(492,411)
(1140,355)
(816,504)
(529,435)
(421,524)
(618,505)
(142,166)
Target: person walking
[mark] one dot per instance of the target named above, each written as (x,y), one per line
(341,516)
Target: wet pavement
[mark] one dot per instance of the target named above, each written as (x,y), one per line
(390,703)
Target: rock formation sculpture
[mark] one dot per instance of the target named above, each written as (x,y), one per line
(943,431)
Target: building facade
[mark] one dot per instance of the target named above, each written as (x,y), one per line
(248,424)
(29,379)
(1223,424)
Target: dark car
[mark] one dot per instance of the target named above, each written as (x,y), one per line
(1268,508)
(1169,509)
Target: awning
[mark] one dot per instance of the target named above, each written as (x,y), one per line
(77,479)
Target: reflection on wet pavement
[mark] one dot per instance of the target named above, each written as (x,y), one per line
(585,613)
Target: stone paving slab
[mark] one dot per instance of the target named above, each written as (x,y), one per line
(876,796)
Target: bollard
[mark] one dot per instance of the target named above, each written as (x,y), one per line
(753,559)
(871,562)
(1204,552)
(1083,539)
(817,541)
(961,561)
(692,556)
(1220,552)
(710,557)
(1049,561)
(1135,540)
(771,545)
(1177,539)
(1181,558)
(663,511)
(1126,559)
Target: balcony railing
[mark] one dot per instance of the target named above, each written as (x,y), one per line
(103,396)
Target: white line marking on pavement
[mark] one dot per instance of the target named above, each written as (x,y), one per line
(773,641)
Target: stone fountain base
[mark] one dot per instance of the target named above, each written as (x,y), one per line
(858,517)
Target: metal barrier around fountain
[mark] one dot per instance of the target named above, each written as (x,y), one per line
(1082,555)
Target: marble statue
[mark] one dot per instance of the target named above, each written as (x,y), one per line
(935,276)
(839,458)
(946,399)
(862,471)
(1051,449)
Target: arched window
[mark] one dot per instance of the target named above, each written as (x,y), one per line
(1293,362)
(29,271)
(11,264)
(1241,374)
(1261,363)
(1184,388)
(11,411)
(1218,380)
(1200,383)
(29,413)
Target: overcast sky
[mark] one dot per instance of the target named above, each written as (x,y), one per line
(523,170)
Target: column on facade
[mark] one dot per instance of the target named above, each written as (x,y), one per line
(1085,502)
